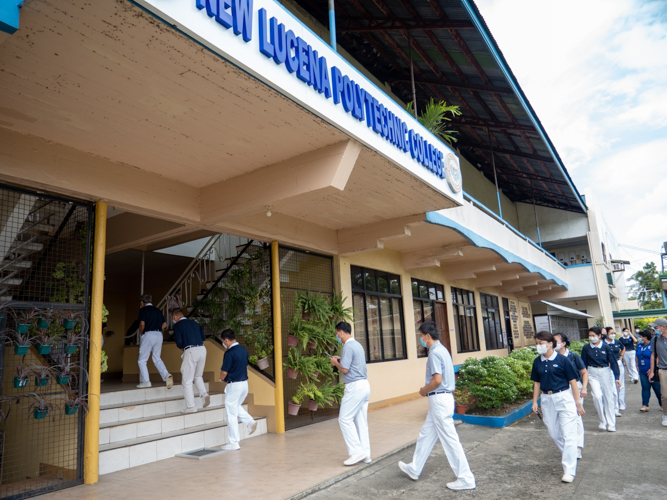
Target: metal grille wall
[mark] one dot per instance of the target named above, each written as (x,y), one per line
(45,256)
(299,272)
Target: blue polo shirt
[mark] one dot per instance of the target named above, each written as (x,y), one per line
(576,361)
(615,347)
(188,332)
(600,357)
(152,318)
(353,359)
(644,353)
(627,343)
(553,374)
(235,363)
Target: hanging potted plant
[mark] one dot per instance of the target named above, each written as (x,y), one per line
(297,364)
(21,341)
(76,335)
(74,402)
(322,368)
(70,319)
(262,340)
(311,305)
(461,401)
(338,310)
(45,338)
(42,374)
(22,376)
(304,391)
(41,406)
(26,319)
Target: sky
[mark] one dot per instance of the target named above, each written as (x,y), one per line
(595,71)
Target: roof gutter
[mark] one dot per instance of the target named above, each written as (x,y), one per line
(479,23)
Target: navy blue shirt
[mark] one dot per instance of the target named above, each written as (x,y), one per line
(600,357)
(188,332)
(644,353)
(553,374)
(615,348)
(577,363)
(235,363)
(152,317)
(627,343)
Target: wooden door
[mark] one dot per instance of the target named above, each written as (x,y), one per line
(440,313)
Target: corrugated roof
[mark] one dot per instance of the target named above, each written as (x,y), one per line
(457,60)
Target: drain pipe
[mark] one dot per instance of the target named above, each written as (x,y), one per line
(495,175)
(332,25)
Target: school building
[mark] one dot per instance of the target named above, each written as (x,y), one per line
(223,156)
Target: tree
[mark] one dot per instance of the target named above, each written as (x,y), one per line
(434,117)
(646,287)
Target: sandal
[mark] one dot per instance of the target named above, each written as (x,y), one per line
(644,408)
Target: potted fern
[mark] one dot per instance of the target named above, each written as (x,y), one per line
(304,391)
(338,310)
(297,364)
(311,305)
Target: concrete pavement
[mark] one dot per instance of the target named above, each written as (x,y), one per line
(521,461)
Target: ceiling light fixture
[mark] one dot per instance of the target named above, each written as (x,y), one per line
(268,211)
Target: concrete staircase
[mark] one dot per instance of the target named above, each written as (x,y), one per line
(141,426)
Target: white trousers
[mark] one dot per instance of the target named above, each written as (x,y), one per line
(192,370)
(580,422)
(604,393)
(439,424)
(151,343)
(619,400)
(631,365)
(560,416)
(235,395)
(353,417)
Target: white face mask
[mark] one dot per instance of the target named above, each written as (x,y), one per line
(559,346)
(611,336)
(626,334)
(542,348)
(594,340)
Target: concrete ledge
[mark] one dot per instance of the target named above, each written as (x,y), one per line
(502,421)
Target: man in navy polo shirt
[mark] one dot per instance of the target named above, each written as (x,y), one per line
(190,337)
(151,324)
(234,371)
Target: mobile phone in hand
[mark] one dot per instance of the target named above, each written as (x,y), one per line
(328,354)
(539,413)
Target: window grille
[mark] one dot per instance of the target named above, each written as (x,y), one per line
(424,295)
(493,330)
(465,320)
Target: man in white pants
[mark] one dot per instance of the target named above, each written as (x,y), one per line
(234,371)
(439,424)
(628,340)
(190,338)
(353,413)
(151,324)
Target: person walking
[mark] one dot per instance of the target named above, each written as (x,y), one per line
(234,372)
(643,359)
(151,324)
(190,338)
(439,424)
(617,349)
(628,341)
(601,363)
(353,412)
(659,361)
(555,380)
(562,344)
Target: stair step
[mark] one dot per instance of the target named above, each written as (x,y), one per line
(114,399)
(20,247)
(10,281)
(147,409)
(21,264)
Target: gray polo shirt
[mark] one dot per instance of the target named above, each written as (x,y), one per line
(661,350)
(353,358)
(440,361)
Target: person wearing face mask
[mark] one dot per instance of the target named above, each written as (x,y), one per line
(644,354)
(556,382)
(353,413)
(619,351)
(628,341)
(601,363)
(234,372)
(439,424)
(659,361)
(562,344)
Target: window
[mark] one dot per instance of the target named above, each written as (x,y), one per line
(493,331)
(378,314)
(424,295)
(465,320)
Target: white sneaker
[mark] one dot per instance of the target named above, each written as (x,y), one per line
(354,459)
(579,452)
(664,420)
(567,478)
(460,485)
(406,468)
(190,410)
(231,447)
(623,409)
(206,400)
(252,427)
(170,381)
(367,460)
(144,385)
(602,427)
(611,429)
(618,414)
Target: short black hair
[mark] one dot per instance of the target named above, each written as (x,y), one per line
(624,329)
(611,328)
(430,328)
(596,330)
(564,338)
(228,334)
(146,298)
(646,334)
(544,335)
(344,326)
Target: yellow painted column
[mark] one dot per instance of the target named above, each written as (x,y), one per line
(277,338)
(91,448)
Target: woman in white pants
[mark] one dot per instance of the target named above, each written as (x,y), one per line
(618,350)
(556,381)
(601,363)
(629,340)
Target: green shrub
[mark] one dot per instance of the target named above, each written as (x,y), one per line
(490,380)
(521,369)
(577,346)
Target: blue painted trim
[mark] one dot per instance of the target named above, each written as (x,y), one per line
(578,265)
(498,422)
(500,207)
(9,15)
(479,241)
(475,17)
(332,29)
(457,368)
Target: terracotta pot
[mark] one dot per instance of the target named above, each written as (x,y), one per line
(316,374)
(460,409)
(292,409)
(263,363)
(311,345)
(305,316)
(292,341)
(292,373)
(312,406)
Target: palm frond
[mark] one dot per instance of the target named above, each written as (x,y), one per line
(434,116)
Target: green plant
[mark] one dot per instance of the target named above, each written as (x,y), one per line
(67,286)
(308,390)
(74,402)
(41,405)
(260,336)
(521,369)
(599,322)
(490,380)
(577,346)
(434,118)
(303,364)
(646,288)
(323,366)
(338,311)
(313,305)
(462,398)
(104,362)
(642,323)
